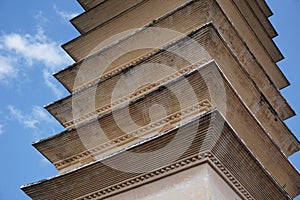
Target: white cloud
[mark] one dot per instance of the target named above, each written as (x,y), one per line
(37,120)
(39,113)
(1,129)
(64,14)
(31,120)
(36,48)
(48,78)
(40,18)
(7,70)
(26,120)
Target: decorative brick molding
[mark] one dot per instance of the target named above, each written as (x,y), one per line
(180,165)
(131,97)
(220,146)
(174,119)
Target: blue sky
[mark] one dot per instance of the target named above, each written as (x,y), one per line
(31,33)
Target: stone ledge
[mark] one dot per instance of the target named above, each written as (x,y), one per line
(210,39)
(217,141)
(208,84)
(102,13)
(89,4)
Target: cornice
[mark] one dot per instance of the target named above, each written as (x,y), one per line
(164,123)
(236,112)
(103,13)
(258,29)
(250,38)
(52,146)
(176,167)
(83,38)
(264,6)
(239,170)
(263,18)
(120,24)
(89,4)
(273,96)
(137,94)
(242,57)
(235,75)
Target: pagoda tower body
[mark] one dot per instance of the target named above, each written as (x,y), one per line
(171,99)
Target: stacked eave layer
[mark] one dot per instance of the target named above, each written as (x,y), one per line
(265,8)
(90,68)
(95,103)
(223,150)
(98,15)
(158,23)
(262,18)
(208,84)
(255,37)
(89,4)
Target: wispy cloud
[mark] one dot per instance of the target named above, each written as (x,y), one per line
(39,113)
(32,120)
(65,15)
(50,84)
(26,120)
(1,129)
(40,18)
(37,120)
(35,50)
(7,70)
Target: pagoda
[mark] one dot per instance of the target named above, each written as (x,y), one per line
(171,99)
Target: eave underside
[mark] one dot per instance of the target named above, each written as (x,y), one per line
(89,4)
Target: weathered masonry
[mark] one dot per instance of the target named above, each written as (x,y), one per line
(171,99)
